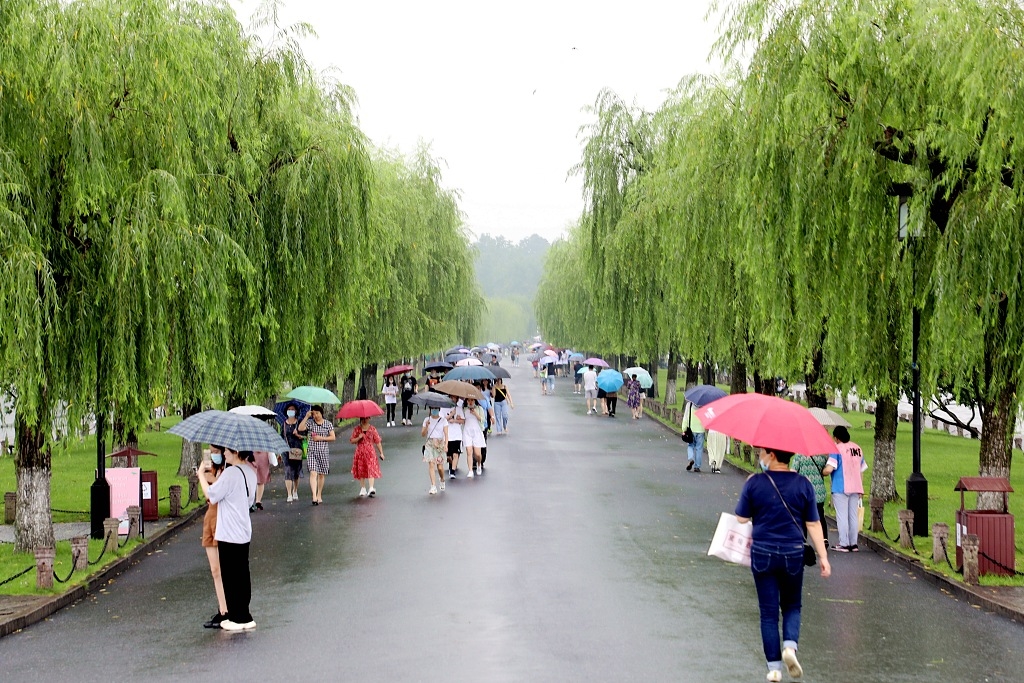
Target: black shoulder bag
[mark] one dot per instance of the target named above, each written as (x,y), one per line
(810,558)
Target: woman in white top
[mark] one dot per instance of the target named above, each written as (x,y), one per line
(390,392)
(435,451)
(473,436)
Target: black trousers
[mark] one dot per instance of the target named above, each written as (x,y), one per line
(234,570)
(613,400)
(406,410)
(391,411)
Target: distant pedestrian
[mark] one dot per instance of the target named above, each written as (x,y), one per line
(365,468)
(590,389)
(612,401)
(261,461)
(577,378)
(318,457)
(846,468)
(408,390)
(456,418)
(473,435)
(502,405)
(633,399)
(209,542)
(781,505)
(813,467)
(435,450)
(694,450)
(293,462)
(487,403)
(550,378)
(233,491)
(390,392)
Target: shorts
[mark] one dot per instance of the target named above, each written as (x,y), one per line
(591,393)
(474,440)
(210,526)
(454,447)
(434,452)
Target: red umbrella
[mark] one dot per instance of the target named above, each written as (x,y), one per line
(767,422)
(359,409)
(397,370)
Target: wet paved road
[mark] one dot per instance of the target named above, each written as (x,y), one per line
(579,555)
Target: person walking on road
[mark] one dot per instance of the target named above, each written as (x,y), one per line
(780,503)
(695,450)
(365,468)
(390,392)
(293,460)
(233,491)
(435,451)
(408,390)
(502,405)
(633,400)
(318,459)
(261,461)
(813,467)
(456,417)
(550,379)
(577,378)
(473,435)
(846,468)
(209,542)
(590,389)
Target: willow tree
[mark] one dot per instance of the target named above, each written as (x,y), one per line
(909,92)
(105,124)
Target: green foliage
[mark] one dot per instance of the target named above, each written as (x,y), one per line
(509,274)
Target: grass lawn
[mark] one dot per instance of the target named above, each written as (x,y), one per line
(11,563)
(944,459)
(74,470)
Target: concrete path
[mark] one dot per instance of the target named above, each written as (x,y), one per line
(579,555)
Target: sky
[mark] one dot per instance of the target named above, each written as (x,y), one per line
(498,89)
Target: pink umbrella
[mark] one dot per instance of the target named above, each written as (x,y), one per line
(767,422)
(469,361)
(551,352)
(596,361)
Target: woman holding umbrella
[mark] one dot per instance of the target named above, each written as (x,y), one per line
(633,401)
(435,451)
(390,392)
(473,435)
(365,467)
(318,459)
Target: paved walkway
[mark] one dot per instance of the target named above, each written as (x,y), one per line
(62,532)
(580,554)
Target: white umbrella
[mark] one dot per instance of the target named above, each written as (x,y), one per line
(468,361)
(259,412)
(829,418)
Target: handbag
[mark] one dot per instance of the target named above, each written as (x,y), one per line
(810,557)
(295,454)
(688,433)
(732,540)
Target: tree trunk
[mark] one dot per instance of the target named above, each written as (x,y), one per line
(33,523)
(191,452)
(672,374)
(652,369)
(996,444)
(816,392)
(235,400)
(348,389)
(738,382)
(691,374)
(883,469)
(368,389)
(708,373)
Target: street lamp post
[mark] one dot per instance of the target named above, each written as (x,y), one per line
(99,493)
(917,485)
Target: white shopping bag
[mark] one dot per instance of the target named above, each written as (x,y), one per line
(732,540)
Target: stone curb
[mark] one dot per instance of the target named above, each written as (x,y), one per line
(969,594)
(32,615)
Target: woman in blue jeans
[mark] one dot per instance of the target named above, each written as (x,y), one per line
(780,503)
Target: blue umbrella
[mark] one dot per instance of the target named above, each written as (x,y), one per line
(470,372)
(455,357)
(231,430)
(280,409)
(610,380)
(703,394)
(577,356)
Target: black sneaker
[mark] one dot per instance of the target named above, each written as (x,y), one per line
(689,466)
(215,620)
(696,469)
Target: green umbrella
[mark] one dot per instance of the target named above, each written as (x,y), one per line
(313,395)
(644,377)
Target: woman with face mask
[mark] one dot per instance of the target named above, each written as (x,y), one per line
(318,459)
(390,392)
(293,463)
(473,436)
(435,451)
(209,530)
(781,504)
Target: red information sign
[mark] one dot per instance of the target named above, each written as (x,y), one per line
(124,491)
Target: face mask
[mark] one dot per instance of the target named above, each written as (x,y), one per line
(435,413)
(764,467)
(291,413)
(217,458)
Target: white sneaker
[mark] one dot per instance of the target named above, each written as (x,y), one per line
(774,676)
(441,486)
(289,497)
(232,626)
(479,469)
(433,490)
(470,475)
(362,492)
(792,665)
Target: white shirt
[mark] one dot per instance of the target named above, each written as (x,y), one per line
(390,393)
(435,427)
(590,381)
(454,429)
(229,492)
